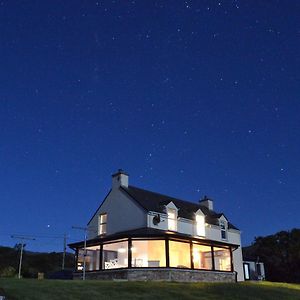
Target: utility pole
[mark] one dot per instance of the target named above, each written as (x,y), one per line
(22,238)
(84,229)
(64,252)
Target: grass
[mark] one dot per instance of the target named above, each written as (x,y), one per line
(32,289)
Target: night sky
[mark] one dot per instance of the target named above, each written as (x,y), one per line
(191,98)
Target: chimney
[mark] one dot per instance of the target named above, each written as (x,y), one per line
(119,179)
(209,203)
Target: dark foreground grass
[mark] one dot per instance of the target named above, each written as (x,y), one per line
(30,289)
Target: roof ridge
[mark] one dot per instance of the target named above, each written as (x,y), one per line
(212,213)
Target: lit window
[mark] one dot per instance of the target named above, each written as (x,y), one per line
(200,225)
(172,219)
(223,230)
(115,255)
(148,253)
(179,254)
(102,224)
(92,257)
(222,259)
(202,257)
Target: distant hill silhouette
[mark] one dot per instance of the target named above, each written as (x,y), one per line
(33,262)
(280,253)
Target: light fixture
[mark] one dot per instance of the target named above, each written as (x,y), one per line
(121,250)
(196,256)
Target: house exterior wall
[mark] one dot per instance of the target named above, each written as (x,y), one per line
(237,258)
(183,225)
(186,226)
(122,214)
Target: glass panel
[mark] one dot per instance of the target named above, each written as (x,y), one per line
(223,234)
(172,219)
(103,218)
(202,257)
(246,270)
(102,224)
(148,254)
(222,259)
(102,229)
(115,255)
(200,224)
(180,255)
(92,259)
(223,230)
(80,260)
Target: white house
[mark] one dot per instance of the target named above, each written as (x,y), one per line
(137,234)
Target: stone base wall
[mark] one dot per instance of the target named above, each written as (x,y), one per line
(167,274)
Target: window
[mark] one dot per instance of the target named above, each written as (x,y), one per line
(179,254)
(172,219)
(102,224)
(202,257)
(115,255)
(223,227)
(222,259)
(200,225)
(246,271)
(149,253)
(91,259)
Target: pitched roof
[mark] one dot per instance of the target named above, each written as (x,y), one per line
(156,202)
(146,232)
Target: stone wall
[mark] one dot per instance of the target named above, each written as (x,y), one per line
(180,275)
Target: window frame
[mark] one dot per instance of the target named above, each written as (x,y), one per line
(126,250)
(102,225)
(133,240)
(215,249)
(170,220)
(199,230)
(167,240)
(223,228)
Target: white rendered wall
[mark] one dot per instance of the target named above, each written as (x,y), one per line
(183,225)
(186,226)
(122,214)
(238,263)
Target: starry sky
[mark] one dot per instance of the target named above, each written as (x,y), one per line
(191,98)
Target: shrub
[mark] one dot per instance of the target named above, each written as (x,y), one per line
(8,272)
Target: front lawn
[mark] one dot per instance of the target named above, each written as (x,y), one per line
(32,289)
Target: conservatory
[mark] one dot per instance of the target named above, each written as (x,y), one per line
(151,249)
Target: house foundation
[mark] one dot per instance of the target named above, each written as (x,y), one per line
(165,274)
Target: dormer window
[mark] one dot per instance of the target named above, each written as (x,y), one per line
(223,227)
(102,224)
(172,219)
(200,224)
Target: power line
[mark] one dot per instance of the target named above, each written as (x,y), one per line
(40,236)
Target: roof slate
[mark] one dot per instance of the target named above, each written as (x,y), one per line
(156,202)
